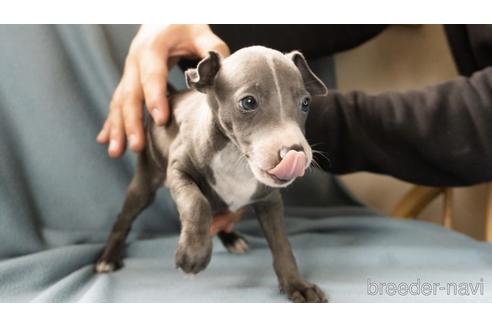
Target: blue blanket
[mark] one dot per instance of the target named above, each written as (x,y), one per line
(59,194)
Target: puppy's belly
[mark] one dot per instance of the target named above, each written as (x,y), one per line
(232,179)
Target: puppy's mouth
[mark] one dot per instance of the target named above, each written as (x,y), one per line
(276,179)
(292,166)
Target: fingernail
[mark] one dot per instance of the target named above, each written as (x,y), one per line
(157,115)
(99,135)
(132,140)
(113,145)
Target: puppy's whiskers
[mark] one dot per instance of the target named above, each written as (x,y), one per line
(241,159)
(314,164)
(323,155)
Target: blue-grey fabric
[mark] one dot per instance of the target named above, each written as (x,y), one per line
(60,193)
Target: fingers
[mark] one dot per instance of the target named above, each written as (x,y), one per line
(103,136)
(116,133)
(124,124)
(219,221)
(153,75)
(209,41)
(113,132)
(133,122)
(224,221)
(214,229)
(229,228)
(132,110)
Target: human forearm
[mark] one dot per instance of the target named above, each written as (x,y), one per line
(440,135)
(312,40)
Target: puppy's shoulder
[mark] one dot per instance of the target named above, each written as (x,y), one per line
(183,102)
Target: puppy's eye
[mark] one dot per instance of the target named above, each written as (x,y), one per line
(305,104)
(248,103)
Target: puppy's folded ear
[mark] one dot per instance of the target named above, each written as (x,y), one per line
(313,84)
(202,77)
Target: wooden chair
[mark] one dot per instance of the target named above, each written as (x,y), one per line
(417,198)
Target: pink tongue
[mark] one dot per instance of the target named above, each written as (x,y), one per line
(291,166)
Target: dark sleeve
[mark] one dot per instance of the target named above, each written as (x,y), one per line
(312,40)
(439,136)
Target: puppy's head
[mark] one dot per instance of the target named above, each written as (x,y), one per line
(260,99)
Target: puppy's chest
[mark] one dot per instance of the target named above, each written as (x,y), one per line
(232,179)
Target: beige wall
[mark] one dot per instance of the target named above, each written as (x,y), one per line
(403,58)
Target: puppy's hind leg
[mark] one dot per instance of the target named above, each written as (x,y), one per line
(233,242)
(140,194)
(223,225)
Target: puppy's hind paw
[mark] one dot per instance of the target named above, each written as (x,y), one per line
(233,242)
(239,246)
(105,267)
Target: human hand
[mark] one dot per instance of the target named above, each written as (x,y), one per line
(225,221)
(153,51)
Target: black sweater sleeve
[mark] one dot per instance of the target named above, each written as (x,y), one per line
(439,136)
(313,40)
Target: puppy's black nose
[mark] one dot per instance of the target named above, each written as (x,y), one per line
(284,150)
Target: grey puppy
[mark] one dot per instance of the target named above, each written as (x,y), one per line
(233,141)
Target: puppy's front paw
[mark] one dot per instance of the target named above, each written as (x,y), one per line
(301,291)
(193,257)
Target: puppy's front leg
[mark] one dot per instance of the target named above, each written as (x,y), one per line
(270,215)
(195,244)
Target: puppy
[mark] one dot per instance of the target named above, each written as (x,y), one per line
(234,139)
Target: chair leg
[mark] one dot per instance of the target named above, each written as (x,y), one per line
(447,211)
(488,215)
(415,201)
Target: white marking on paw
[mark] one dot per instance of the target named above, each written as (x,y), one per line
(189,276)
(239,247)
(104,267)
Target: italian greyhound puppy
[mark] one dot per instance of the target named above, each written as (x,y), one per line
(234,139)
